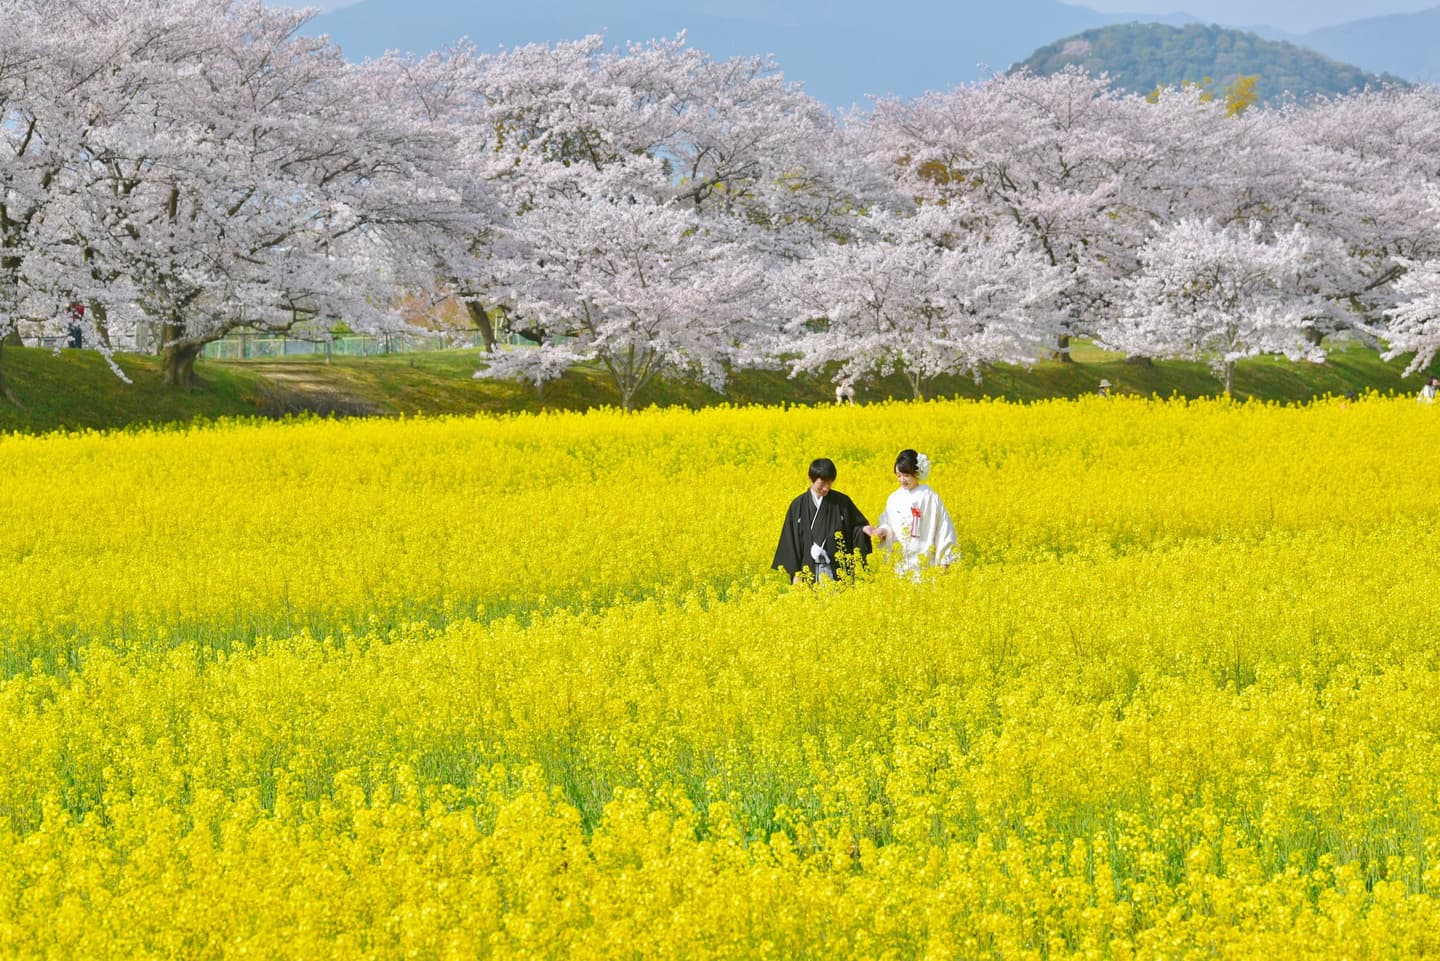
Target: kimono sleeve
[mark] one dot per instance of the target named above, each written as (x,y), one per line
(947,550)
(856,539)
(787,551)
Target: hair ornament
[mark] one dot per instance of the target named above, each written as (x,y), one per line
(922,462)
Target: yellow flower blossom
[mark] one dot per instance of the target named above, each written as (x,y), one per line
(523,688)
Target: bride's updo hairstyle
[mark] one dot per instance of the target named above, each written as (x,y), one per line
(908,462)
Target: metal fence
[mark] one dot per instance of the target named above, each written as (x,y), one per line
(247,346)
(243,345)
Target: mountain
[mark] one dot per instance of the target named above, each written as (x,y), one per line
(841,51)
(1405,44)
(1142,56)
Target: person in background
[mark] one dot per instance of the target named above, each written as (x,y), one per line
(915,520)
(1104,390)
(1429,391)
(845,392)
(824,532)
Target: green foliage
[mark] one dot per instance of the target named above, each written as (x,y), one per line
(1242,67)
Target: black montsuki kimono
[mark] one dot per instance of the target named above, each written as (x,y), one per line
(839,529)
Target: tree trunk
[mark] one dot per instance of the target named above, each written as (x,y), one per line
(1229,376)
(177,358)
(179,367)
(100,317)
(5,390)
(481,320)
(1062,350)
(915,384)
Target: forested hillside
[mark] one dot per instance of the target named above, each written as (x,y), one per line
(1142,56)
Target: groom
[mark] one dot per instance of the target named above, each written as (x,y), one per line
(824,531)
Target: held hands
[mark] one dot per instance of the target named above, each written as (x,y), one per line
(879,533)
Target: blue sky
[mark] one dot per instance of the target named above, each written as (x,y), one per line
(844,52)
(1295,16)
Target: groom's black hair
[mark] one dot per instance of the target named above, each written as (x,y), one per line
(823,467)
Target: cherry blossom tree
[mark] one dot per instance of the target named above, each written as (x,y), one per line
(190,166)
(584,132)
(536,123)
(637,286)
(1048,155)
(919,294)
(1219,294)
(50,72)
(1269,178)
(1364,169)
(220,170)
(441,95)
(746,143)
(1195,157)
(24,174)
(28,162)
(732,135)
(1413,322)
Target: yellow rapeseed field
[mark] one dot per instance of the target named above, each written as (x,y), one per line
(524,688)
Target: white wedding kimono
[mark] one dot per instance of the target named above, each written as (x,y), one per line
(917,523)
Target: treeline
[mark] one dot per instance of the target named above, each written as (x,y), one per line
(194,166)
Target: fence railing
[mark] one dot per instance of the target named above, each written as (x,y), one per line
(245,346)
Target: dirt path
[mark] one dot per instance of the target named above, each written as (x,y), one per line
(301,388)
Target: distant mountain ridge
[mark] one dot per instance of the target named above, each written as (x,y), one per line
(842,51)
(1141,56)
(1405,44)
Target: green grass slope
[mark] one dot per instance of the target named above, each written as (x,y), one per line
(75,390)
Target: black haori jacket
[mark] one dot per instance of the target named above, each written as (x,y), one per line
(839,530)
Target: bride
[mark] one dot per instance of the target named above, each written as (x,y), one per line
(915,519)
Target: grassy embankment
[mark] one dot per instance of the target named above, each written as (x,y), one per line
(75,390)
